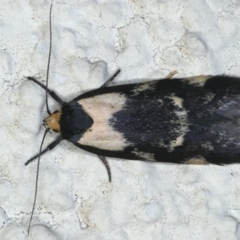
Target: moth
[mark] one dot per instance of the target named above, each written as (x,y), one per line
(192,120)
(187,120)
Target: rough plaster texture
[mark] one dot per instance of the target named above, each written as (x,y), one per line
(91,39)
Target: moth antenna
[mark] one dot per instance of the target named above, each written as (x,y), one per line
(49,57)
(36,183)
(106,84)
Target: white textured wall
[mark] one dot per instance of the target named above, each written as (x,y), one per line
(91,39)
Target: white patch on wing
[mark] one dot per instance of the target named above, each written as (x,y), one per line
(177,142)
(181,120)
(143,87)
(208,146)
(198,80)
(198,160)
(177,101)
(144,155)
(101,109)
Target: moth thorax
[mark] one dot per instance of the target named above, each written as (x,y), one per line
(53,121)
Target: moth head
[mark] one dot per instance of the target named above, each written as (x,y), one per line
(53,121)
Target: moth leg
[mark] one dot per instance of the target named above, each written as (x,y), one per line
(51,93)
(110,79)
(104,161)
(49,147)
(171,74)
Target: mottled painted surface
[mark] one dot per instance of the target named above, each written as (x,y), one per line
(92,39)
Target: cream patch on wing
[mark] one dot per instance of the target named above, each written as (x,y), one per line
(101,109)
(198,80)
(177,142)
(208,146)
(198,160)
(177,101)
(143,87)
(181,120)
(146,156)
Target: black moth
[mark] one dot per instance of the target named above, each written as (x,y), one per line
(187,120)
